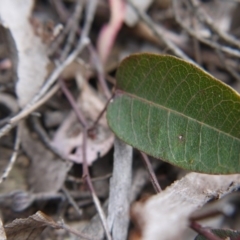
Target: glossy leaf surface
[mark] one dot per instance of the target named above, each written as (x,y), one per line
(175,111)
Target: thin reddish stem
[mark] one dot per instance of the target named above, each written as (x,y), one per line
(151,173)
(206,232)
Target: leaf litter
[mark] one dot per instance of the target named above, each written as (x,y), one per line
(68,138)
(47,175)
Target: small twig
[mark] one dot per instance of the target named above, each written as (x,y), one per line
(77,110)
(159,33)
(196,46)
(215,45)
(26,111)
(60,9)
(203,231)
(140,179)
(96,60)
(100,71)
(73,29)
(152,174)
(91,188)
(86,174)
(13,157)
(205,18)
(59,39)
(69,96)
(232,72)
(101,114)
(65,17)
(55,74)
(72,201)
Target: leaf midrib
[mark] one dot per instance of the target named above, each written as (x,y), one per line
(174,111)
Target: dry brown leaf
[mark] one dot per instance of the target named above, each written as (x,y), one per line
(29,228)
(165,216)
(47,172)
(68,138)
(29,51)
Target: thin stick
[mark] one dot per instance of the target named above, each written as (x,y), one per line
(86,174)
(101,113)
(66,18)
(152,174)
(74,27)
(232,72)
(69,96)
(60,9)
(196,46)
(96,60)
(205,18)
(100,71)
(203,231)
(72,201)
(158,32)
(26,111)
(13,157)
(215,45)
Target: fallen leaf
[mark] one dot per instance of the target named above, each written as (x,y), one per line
(175,111)
(68,138)
(29,51)
(29,228)
(165,215)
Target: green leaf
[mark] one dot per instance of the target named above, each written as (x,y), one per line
(223,234)
(175,111)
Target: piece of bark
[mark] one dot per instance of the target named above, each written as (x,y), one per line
(119,196)
(29,53)
(165,216)
(140,178)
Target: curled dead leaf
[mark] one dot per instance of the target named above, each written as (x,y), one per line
(68,138)
(29,228)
